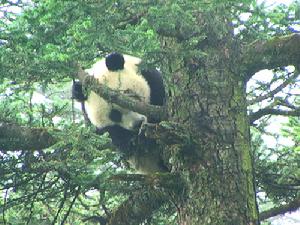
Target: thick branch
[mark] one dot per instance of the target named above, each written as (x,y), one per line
(168,133)
(172,182)
(14,137)
(269,111)
(290,207)
(138,207)
(269,54)
(275,91)
(151,111)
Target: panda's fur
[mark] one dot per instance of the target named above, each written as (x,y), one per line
(120,72)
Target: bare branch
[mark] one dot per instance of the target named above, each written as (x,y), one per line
(290,207)
(151,111)
(271,94)
(270,111)
(269,54)
(15,137)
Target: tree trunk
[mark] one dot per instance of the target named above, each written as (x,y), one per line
(217,167)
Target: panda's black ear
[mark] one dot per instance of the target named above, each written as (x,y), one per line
(114,61)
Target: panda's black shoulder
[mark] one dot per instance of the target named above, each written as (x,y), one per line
(156,84)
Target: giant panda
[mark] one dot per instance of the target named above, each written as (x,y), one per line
(120,72)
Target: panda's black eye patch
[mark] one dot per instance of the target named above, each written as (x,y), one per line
(115,116)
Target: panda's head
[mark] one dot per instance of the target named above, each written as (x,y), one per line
(127,119)
(118,72)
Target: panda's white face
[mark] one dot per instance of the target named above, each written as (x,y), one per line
(127,81)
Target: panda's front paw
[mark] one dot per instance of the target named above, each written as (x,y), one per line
(77,92)
(142,127)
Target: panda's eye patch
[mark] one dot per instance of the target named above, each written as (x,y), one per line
(115,115)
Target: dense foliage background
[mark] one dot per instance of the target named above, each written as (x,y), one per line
(68,179)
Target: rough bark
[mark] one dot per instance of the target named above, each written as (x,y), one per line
(221,188)
(217,167)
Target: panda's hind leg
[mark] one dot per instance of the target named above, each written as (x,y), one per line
(77,92)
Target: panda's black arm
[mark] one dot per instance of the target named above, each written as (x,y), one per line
(77,92)
(156,83)
(157,89)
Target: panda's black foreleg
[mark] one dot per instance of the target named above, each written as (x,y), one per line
(77,92)
(121,137)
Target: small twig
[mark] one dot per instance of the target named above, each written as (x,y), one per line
(4,206)
(61,205)
(71,206)
(34,197)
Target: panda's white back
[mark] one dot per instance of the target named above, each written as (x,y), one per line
(127,81)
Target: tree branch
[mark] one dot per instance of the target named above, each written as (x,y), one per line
(113,96)
(138,207)
(168,133)
(275,91)
(15,137)
(269,54)
(270,111)
(290,207)
(172,182)
(156,191)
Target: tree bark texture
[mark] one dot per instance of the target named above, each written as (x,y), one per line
(217,166)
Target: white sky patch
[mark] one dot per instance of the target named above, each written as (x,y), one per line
(263,76)
(38,98)
(245,16)
(296,27)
